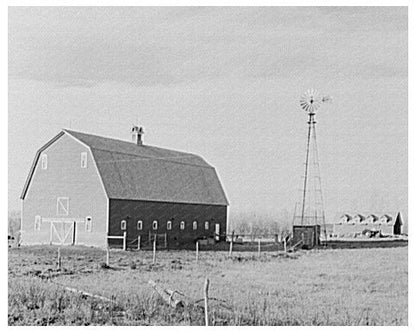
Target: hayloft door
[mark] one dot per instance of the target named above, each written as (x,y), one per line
(217,232)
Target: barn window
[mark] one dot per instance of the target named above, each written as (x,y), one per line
(38,222)
(139,225)
(88,224)
(62,206)
(207,225)
(84,159)
(169,225)
(123,225)
(154,224)
(182,225)
(44,161)
(195,225)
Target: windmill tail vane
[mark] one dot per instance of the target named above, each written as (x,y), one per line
(310,101)
(327,99)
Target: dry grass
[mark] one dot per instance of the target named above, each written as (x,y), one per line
(323,287)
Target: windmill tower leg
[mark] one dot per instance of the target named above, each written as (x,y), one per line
(305,179)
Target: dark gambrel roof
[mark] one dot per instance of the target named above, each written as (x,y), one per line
(142,172)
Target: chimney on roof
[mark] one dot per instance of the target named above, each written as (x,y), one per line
(136,135)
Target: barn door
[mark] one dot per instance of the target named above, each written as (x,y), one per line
(62,232)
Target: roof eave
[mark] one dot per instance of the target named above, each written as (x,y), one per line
(165,201)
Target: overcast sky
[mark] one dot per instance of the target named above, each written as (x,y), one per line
(224,83)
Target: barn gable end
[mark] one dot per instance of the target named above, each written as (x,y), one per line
(64,193)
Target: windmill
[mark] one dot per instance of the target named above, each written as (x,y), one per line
(309,216)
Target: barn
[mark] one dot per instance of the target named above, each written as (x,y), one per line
(92,190)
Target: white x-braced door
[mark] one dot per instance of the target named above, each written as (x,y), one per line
(62,232)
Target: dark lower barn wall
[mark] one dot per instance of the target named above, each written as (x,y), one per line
(146,211)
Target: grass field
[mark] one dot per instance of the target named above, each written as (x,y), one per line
(318,287)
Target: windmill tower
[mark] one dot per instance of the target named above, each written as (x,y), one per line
(309,216)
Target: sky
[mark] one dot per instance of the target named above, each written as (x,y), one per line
(224,83)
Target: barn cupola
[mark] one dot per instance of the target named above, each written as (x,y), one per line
(136,135)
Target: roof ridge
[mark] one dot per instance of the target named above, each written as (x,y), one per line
(391,213)
(69,131)
(151,157)
(95,135)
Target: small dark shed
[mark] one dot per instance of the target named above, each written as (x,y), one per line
(308,234)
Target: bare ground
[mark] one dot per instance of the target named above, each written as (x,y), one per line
(319,287)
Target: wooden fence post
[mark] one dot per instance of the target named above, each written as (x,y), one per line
(50,238)
(138,242)
(125,240)
(197,250)
(59,259)
(74,234)
(259,247)
(108,256)
(206,286)
(154,251)
(231,244)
